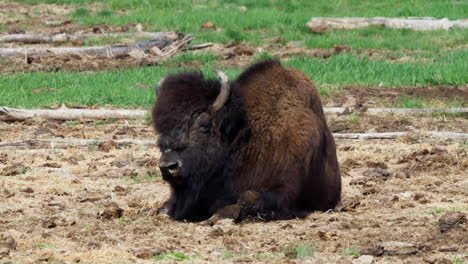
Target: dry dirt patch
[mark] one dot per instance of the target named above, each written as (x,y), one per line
(93,206)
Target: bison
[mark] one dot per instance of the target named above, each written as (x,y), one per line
(257,145)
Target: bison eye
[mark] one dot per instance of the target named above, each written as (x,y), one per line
(203,122)
(205,128)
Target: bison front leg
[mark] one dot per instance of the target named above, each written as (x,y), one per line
(168,205)
(268,205)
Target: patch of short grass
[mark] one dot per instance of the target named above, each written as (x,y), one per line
(147,177)
(269,19)
(419,102)
(44,246)
(118,87)
(172,256)
(349,251)
(300,250)
(444,210)
(354,119)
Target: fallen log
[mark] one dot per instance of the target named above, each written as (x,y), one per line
(397,111)
(60,143)
(70,114)
(64,37)
(111,51)
(91,114)
(318,24)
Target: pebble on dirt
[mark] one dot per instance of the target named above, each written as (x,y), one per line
(112,210)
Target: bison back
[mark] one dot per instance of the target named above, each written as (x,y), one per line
(290,149)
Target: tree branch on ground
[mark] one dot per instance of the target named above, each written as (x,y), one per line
(65,37)
(168,48)
(321,24)
(97,114)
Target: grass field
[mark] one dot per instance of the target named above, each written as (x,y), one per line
(428,58)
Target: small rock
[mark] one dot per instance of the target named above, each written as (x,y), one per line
(14,170)
(27,190)
(405,195)
(243,9)
(106,146)
(143,253)
(398,248)
(112,210)
(208,25)
(49,223)
(377,172)
(364,259)
(52,165)
(327,234)
(47,256)
(451,220)
(402,174)
(119,189)
(376,164)
(295,44)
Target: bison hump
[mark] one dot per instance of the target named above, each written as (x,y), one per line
(283,108)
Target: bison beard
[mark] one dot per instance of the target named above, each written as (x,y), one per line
(258,145)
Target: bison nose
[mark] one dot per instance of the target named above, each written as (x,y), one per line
(171,167)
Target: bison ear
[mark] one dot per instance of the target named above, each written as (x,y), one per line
(158,86)
(223,95)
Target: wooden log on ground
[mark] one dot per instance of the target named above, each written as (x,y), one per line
(111,51)
(92,114)
(317,24)
(397,111)
(60,143)
(70,114)
(64,37)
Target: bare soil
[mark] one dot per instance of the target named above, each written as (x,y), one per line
(403,201)
(389,96)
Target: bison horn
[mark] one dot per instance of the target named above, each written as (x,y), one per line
(223,93)
(158,86)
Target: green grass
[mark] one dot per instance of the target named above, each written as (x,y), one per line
(117,87)
(418,102)
(300,250)
(44,246)
(149,176)
(267,19)
(350,252)
(172,256)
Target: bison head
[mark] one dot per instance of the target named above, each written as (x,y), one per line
(197,121)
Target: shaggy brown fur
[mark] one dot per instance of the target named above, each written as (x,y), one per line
(268,149)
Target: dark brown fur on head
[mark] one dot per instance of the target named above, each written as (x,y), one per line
(269,140)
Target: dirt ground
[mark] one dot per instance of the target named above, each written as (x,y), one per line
(403,202)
